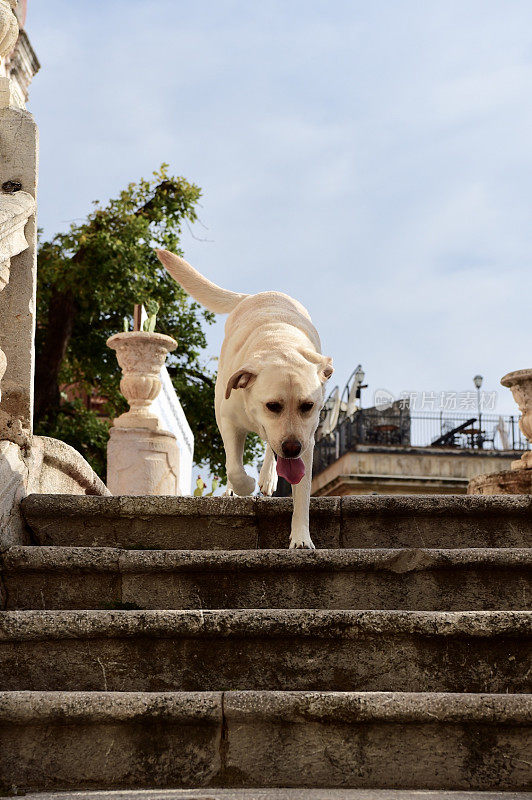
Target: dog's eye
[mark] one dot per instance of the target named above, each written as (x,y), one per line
(306,407)
(276,408)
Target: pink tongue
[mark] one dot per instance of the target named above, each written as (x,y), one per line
(292,469)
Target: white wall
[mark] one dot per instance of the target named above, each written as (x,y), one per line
(173,419)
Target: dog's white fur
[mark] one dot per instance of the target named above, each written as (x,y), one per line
(272,353)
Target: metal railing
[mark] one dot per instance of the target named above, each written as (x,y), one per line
(397,427)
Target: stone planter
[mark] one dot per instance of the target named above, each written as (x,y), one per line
(520,382)
(140,355)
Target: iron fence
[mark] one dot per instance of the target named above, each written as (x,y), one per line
(398,428)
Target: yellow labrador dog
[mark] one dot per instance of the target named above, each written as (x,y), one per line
(270,381)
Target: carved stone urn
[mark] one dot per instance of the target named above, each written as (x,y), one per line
(520,382)
(140,354)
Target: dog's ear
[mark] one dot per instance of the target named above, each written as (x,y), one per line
(324,363)
(326,369)
(243,377)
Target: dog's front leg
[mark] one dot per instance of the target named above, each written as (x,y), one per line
(268,473)
(300,536)
(234,440)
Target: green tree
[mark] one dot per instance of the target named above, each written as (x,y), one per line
(88,280)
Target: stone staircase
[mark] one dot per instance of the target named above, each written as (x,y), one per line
(166,642)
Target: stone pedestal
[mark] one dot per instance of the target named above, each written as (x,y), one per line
(142,462)
(142,458)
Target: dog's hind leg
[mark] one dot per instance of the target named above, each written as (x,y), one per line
(268,473)
(234,440)
(300,535)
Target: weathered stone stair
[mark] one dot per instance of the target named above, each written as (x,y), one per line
(162,642)
(415,579)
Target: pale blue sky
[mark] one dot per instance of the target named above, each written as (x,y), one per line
(373,159)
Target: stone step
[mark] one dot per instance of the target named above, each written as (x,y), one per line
(470,651)
(188,523)
(429,580)
(277,794)
(62,741)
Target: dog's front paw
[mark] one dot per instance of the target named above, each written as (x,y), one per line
(242,484)
(300,540)
(268,481)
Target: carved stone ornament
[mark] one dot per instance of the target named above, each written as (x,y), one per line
(15,210)
(520,382)
(8,27)
(140,355)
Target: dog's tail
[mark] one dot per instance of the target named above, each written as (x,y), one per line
(221,301)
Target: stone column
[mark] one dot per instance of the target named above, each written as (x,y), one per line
(17,309)
(27,463)
(18,184)
(18,247)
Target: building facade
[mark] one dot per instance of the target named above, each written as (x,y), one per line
(390,451)
(374,469)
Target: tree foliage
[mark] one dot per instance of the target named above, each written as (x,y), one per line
(89,279)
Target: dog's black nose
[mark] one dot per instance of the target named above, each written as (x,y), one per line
(291,448)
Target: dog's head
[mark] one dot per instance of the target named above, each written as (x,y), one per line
(284,399)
